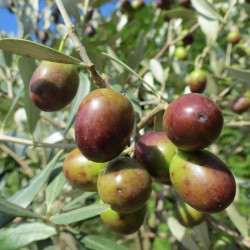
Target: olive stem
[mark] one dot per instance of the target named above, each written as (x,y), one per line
(80,49)
(244,240)
(228,58)
(139,240)
(62,44)
(24,168)
(160,107)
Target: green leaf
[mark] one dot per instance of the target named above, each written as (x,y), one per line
(25,195)
(26,21)
(206,9)
(35,50)
(11,209)
(100,243)
(202,234)
(181,13)
(79,214)
(83,90)
(26,68)
(54,188)
(13,105)
(238,220)
(23,234)
(240,74)
(157,70)
(72,10)
(5,57)
(210,28)
(131,71)
(181,234)
(77,200)
(137,55)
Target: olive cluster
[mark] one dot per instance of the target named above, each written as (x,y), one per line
(104,125)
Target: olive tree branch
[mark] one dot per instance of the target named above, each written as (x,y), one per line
(214,223)
(6,138)
(80,49)
(160,107)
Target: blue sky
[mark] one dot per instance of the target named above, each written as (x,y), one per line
(8,21)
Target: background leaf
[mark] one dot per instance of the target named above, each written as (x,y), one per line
(210,29)
(72,204)
(35,50)
(79,214)
(239,221)
(26,68)
(206,9)
(54,189)
(100,243)
(83,90)
(181,234)
(11,209)
(240,74)
(23,234)
(25,195)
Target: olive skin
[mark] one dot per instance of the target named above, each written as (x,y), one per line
(124,223)
(80,172)
(192,122)
(125,185)
(180,53)
(233,37)
(104,124)
(185,3)
(90,31)
(53,85)
(155,151)
(197,81)
(188,216)
(241,104)
(163,4)
(202,180)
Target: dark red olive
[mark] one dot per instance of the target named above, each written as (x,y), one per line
(53,85)
(155,151)
(163,4)
(104,124)
(192,122)
(185,3)
(241,104)
(90,31)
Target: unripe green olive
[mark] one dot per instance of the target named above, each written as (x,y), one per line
(80,172)
(233,37)
(124,223)
(180,53)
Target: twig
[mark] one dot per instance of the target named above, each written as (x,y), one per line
(139,240)
(237,124)
(243,240)
(160,107)
(23,166)
(99,81)
(6,138)
(169,42)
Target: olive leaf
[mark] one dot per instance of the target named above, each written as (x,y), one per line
(35,50)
